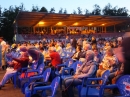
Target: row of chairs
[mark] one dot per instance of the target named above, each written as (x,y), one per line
(89,90)
(42,76)
(123,83)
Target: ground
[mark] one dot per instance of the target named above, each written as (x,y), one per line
(9,91)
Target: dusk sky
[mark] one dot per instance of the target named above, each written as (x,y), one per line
(70,5)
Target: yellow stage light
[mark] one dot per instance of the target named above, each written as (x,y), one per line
(103,24)
(41,23)
(90,24)
(59,23)
(75,24)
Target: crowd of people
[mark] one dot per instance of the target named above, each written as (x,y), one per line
(96,54)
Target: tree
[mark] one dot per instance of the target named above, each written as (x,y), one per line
(61,10)
(21,7)
(86,12)
(35,8)
(74,12)
(122,11)
(108,10)
(115,11)
(52,10)
(65,11)
(43,9)
(79,10)
(7,30)
(97,10)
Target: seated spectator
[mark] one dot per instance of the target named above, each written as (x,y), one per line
(69,47)
(107,63)
(107,45)
(34,54)
(97,56)
(119,40)
(87,69)
(78,54)
(15,65)
(74,43)
(115,75)
(54,57)
(58,48)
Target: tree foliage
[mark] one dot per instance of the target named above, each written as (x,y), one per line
(97,10)
(7,30)
(114,11)
(61,10)
(43,9)
(74,12)
(52,10)
(65,11)
(86,12)
(79,10)
(35,8)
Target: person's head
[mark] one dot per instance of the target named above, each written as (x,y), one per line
(41,49)
(23,48)
(93,38)
(96,52)
(52,49)
(119,40)
(33,52)
(78,48)
(87,47)
(89,55)
(67,37)
(68,45)
(23,51)
(1,39)
(107,44)
(109,51)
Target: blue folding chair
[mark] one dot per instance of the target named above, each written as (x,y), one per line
(53,87)
(71,70)
(80,86)
(66,64)
(123,84)
(44,77)
(91,89)
(72,67)
(37,70)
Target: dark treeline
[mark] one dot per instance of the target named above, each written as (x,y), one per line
(6,23)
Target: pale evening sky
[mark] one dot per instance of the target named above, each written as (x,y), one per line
(70,5)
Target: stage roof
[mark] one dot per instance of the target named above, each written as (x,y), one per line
(30,19)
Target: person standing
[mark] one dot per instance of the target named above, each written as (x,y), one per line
(123,53)
(2,52)
(126,53)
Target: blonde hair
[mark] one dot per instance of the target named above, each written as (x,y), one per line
(109,49)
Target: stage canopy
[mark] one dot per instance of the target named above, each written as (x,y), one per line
(31,19)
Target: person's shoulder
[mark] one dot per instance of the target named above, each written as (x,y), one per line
(93,63)
(3,43)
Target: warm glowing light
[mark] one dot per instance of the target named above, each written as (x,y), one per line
(90,24)
(75,24)
(41,23)
(103,24)
(59,23)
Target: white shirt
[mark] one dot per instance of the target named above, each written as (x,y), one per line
(3,43)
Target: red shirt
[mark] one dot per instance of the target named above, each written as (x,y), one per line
(55,59)
(22,62)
